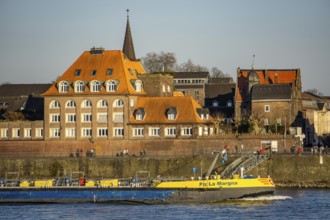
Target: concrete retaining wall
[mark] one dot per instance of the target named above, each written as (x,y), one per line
(286,170)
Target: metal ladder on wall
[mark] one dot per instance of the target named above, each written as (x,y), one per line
(248,162)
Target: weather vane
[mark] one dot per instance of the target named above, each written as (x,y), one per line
(253,61)
(127,10)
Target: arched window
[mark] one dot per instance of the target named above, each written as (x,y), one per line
(86,104)
(138,86)
(118,103)
(79,86)
(54,104)
(63,86)
(111,86)
(102,103)
(70,104)
(95,86)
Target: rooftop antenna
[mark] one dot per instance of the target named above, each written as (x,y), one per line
(252,66)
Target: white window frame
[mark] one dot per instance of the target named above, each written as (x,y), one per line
(86,132)
(118,117)
(186,131)
(102,103)
(267,108)
(54,104)
(102,117)
(70,132)
(86,104)
(111,86)
(138,86)
(70,104)
(79,86)
(266,121)
(16,132)
(154,131)
(27,132)
(63,87)
(171,116)
(39,132)
(138,117)
(95,86)
(138,132)
(102,132)
(215,103)
(118,132)
(4,133)
(229,103)
(118,103)
(70,118)
(54,132)
(170,131)
(54,118)
(86,117)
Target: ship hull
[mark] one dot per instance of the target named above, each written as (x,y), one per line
(126,195)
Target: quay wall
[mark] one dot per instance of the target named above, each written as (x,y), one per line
(286,170)
(154,147)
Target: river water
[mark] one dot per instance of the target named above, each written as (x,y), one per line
(284,204)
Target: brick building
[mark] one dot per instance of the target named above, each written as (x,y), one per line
(273,96)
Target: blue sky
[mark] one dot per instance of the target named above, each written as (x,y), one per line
(40,39)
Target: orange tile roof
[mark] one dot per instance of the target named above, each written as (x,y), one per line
(155,110)
(109,59)
(283,76)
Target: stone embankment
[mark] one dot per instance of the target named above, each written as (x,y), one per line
(286,170)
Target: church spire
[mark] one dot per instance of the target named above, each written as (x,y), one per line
(128,48)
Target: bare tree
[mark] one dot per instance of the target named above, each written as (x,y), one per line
(189,66)
(216,73)
(162,62)
(315,92)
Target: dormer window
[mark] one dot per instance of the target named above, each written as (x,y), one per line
(229,103)
(139,114)
(93,72)
(203,113)
(111,86)
(95,86)
(138,86)
(77,72)
(215,103)
(63,86)
(171,113)
(109,72)
(79,86)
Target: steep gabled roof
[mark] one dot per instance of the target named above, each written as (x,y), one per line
(271,92)
(101,60)
(155,110)
(266,76)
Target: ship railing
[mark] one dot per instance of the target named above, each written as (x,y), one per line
(247,163)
